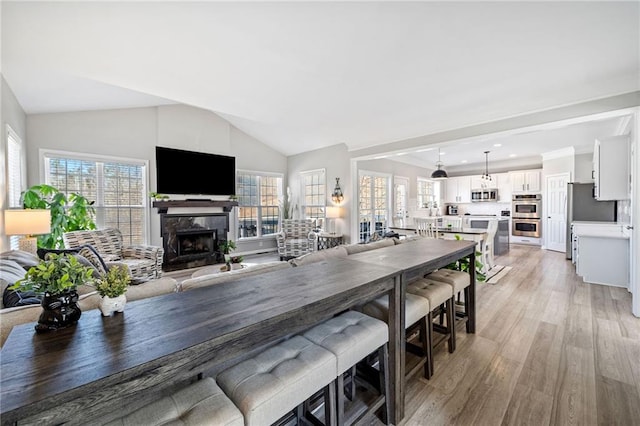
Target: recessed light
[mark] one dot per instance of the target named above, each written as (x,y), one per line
(497,144)
(380,157)
(425,149)
(512,155)
(443,153)
(463,161)
(401,153)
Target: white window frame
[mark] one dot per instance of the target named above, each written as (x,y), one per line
(45,154)
(322,177)
(259,207)
(14,188)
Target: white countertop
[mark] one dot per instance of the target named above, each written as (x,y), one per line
(600,229)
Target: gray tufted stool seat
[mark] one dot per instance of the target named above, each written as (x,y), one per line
(352,336)
(278,380)
(417,314)
(460,282)
(438,293)
(202,403)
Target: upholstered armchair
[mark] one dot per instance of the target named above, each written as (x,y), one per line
(296,238)
(144,262)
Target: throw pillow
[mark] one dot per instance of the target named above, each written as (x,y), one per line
(22,258)
(13,298)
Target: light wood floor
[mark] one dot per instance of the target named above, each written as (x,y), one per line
(549,349)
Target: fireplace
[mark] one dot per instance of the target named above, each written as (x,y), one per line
(196,243)
(192,240)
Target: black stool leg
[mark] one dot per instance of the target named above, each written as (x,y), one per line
(383,359)
(451,324)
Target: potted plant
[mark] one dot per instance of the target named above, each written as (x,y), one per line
(227,247)
(56,279)
(112,288)
(235,262)
(68,213)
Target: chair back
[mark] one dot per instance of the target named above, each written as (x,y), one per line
(107,242)
(297,228)
(492,228)
(425,227)
(452,222)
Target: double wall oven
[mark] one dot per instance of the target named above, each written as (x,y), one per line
(526,215)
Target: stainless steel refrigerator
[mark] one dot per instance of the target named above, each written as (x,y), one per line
(582,206)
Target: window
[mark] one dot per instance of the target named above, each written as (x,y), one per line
(313,194)
(118,187)
(14,176)
(425,193)
(258,207)
(374,204)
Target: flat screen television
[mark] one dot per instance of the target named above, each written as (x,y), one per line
(197,173)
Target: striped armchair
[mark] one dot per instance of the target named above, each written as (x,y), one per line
(296,238)
(144,262)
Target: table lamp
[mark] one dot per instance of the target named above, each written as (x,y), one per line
(333,213)
(28,222)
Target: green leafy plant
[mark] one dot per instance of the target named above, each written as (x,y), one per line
(463,264)
(115,282)
(158,197)
(68,213)
(227,246)
(56,274)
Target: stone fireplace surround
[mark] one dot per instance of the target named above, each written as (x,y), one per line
(192,236)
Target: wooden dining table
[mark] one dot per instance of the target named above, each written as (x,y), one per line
(80,374)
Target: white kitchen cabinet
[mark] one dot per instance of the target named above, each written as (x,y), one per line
(504,187)
(458,190)
(611,168)
(602,252)
(525,181)
(478,183)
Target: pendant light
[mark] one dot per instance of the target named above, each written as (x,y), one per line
(439,173)
(486,176)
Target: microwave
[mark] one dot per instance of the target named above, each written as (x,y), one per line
(483,195)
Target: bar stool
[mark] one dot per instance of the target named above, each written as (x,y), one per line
(352,336)
(417,316)
(439,294)
(460,282)
(202,403)
(276,381)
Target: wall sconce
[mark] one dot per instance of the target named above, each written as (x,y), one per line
(28,223)
(337,196)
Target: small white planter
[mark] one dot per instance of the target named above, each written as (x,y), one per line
(235,266)
(110,305)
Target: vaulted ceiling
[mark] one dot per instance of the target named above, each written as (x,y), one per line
(302,75)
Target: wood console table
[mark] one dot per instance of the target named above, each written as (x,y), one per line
(79,374)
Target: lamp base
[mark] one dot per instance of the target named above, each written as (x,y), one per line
(28,244)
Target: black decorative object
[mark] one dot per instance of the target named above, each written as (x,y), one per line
(439,173)
(59,311)
(337,196)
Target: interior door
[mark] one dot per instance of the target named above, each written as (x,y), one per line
(555,229)
(401,200)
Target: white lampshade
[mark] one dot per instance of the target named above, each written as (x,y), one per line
(27,222)
(333,212)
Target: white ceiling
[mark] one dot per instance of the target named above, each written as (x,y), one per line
(301,75)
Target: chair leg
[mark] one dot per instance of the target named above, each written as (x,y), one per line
(330,417)
(425,339)
(451,325)
(468,309)
(352,383)
(430,344)
(340,399)
(383,359)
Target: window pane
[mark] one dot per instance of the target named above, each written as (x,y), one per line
(116,188)
(258,201)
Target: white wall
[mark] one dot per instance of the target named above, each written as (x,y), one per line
(135,132)
(335,161)
(11,113)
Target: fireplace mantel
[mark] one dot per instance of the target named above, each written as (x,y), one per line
(163,206)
